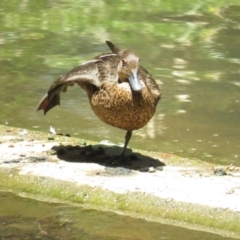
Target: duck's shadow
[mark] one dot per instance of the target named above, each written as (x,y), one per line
(107,156)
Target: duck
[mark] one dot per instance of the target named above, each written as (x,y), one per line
(121,92)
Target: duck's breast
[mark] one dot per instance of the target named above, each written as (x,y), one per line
(117,105)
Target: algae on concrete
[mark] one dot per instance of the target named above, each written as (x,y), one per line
(136,204)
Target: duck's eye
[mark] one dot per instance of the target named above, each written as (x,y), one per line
(124,63)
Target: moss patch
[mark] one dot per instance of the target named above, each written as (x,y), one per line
(135,204)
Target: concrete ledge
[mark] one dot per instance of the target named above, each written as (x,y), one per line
(155,186)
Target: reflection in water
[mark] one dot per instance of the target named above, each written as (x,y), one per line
(24,218)
(191,49)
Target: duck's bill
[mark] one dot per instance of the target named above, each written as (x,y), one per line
(135,82)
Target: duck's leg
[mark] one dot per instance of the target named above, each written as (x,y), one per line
(119,159)
(127,139)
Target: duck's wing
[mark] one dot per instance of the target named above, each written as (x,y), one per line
(89,76)
(150,83)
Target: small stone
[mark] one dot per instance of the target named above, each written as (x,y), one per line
(159,168)
(51,152)
(219,172)
(144,169)
(51,138)
(118,171)
(151,170)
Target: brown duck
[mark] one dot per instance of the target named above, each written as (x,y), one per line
(121,92)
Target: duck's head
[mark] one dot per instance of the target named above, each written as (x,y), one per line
(128,67)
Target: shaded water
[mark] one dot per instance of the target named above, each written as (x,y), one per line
(190,47)
(23,218)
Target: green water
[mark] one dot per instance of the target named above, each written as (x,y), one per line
(190,47)
(24,218)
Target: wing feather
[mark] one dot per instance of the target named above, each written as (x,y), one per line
(89,76)
(86,73)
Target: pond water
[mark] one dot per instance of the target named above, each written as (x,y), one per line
(24,218)
(191,48)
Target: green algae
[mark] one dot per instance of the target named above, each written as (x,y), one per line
(134,204)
